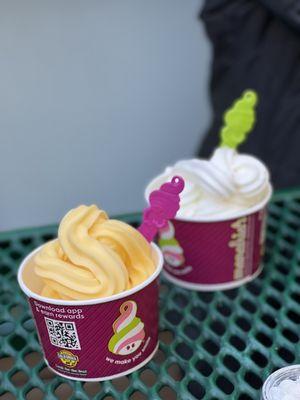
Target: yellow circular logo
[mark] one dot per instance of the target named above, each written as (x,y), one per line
(68,358)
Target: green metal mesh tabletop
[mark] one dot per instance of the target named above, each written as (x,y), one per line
(219,345)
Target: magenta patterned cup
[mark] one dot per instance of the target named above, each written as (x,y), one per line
(96,339)
(214,254)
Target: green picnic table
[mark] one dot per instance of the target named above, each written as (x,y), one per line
(213,345)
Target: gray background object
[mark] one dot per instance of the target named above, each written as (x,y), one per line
(96,98)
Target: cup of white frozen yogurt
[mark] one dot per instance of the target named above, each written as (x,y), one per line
(216,240)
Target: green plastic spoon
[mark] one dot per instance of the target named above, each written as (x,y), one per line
(239,120)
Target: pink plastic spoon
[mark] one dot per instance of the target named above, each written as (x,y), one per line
(164,204)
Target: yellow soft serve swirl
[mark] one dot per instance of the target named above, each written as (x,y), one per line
(93,257)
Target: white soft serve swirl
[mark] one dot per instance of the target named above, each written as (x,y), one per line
(221,187)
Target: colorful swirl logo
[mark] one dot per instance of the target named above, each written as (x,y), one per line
(128,330)
(173,253)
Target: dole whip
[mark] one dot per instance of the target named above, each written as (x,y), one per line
(228,182)
(93,257)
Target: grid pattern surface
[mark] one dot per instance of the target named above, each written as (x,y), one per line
(213,346)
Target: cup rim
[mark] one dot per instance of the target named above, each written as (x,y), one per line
(108,377)
(239,214)
(99,300)
(273,376)
(209,287)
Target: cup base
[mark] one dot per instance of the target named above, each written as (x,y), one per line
(213,287)
(106,378)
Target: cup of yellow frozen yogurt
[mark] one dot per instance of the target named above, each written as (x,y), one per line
(93,292)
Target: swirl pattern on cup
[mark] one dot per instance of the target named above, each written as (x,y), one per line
(128,330)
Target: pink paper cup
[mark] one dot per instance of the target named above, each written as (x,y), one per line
(215,254)
(96,339)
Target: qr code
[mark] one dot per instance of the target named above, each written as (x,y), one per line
(63,334)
